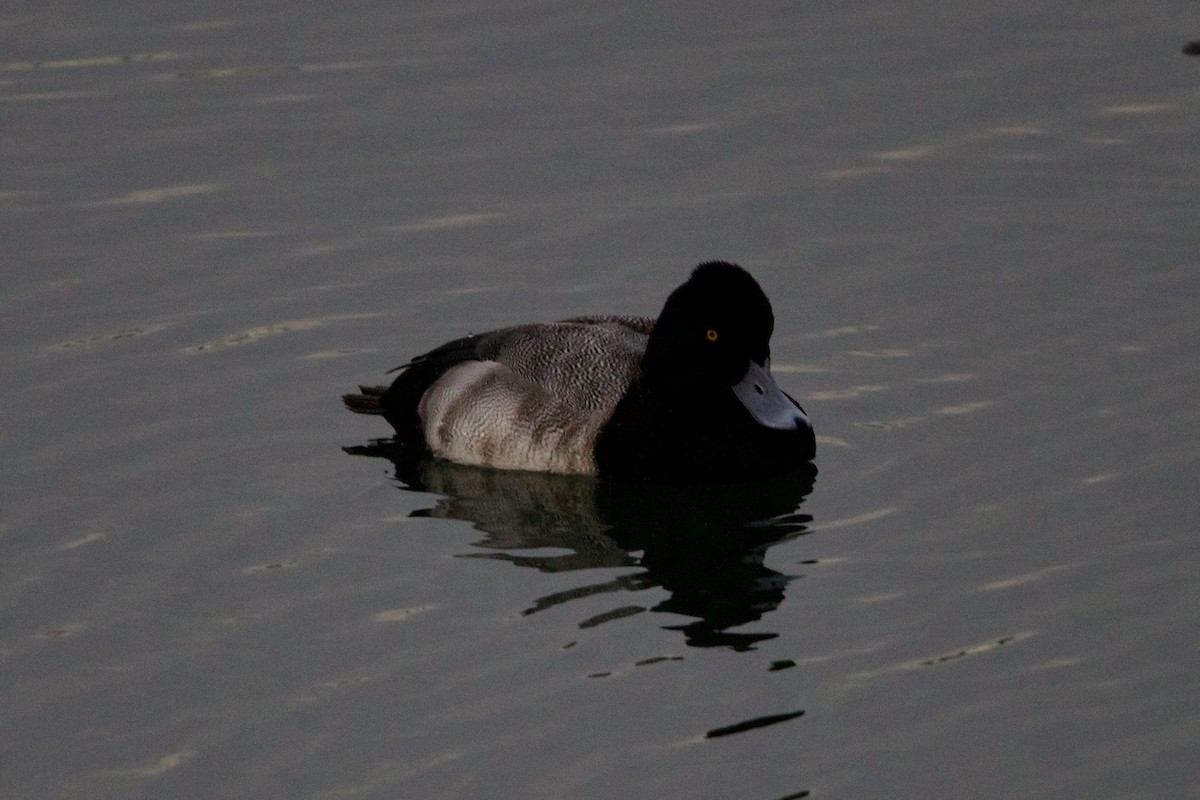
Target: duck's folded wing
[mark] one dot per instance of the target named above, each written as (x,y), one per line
(584,364)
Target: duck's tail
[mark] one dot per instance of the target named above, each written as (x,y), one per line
(369,402)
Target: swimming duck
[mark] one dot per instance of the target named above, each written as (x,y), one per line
(684,398)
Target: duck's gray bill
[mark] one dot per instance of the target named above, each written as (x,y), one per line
(766,402)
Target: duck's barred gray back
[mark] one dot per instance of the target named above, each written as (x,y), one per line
(539,396)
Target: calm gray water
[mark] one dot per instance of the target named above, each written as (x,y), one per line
(978,225)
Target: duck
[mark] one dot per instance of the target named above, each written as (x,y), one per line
(684,398)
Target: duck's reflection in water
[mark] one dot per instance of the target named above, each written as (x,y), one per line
(703,545)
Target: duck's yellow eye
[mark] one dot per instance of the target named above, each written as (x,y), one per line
(711,334)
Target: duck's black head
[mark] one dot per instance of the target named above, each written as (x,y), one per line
(711,328)
(709,408)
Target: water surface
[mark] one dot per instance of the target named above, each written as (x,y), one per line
(978,232)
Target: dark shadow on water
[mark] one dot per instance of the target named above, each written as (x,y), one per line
(704,545)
